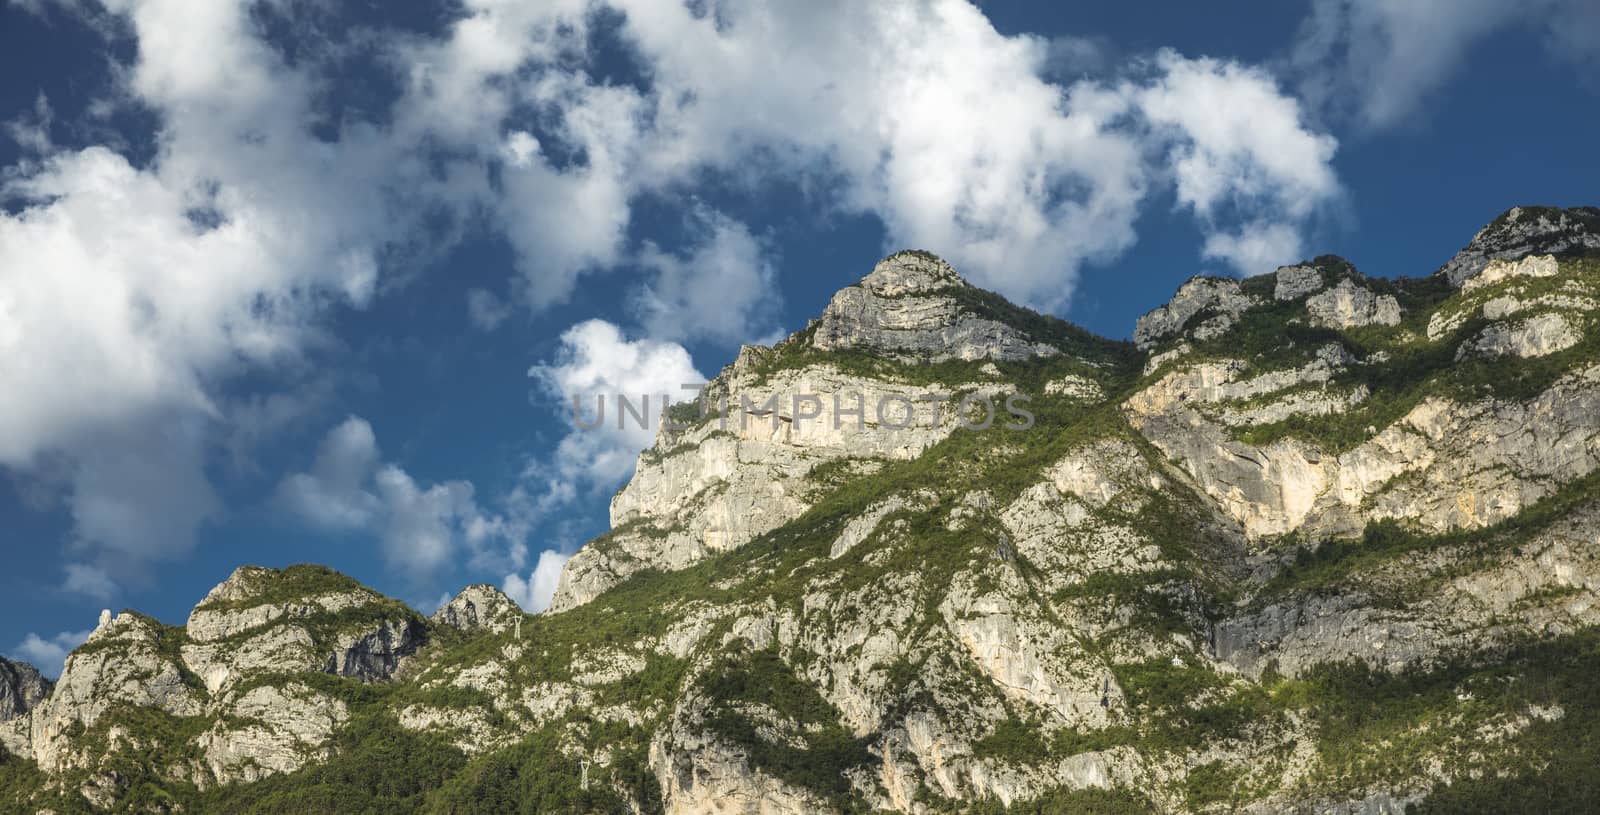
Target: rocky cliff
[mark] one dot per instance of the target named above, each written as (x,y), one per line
(21,688)
(1314,542)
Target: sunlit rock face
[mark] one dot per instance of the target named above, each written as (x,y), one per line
(1308,513)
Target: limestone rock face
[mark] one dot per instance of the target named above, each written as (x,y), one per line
(1498,271)
(718,485)
(1535,336)
(1524,231)
(1454,615)
(481,606)
(701,774)
(303,618)
(1349,305)
(259,624)
(1444,465)
(21,688)
(271,729)
(1294,282)
(128,661)
(750,467)
(1219,301)
(915,306)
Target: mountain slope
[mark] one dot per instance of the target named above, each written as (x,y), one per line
(1317,542)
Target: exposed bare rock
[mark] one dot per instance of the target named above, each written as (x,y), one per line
(271,729)
(912,305)
(128,661)
(1499,271)
(1524,231)
(1444,466)
(1349,305)
(480,606)
(1294,282)
(716,486)
(304,618)
(1219,300)
(1535,336)
(702,774)
(1075,387)
(1548,583)
(21,688)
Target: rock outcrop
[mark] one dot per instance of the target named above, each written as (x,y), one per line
(479,607)
(21,688)
(914,306)
(1294,282)
(1524,231)
(1350,305)
(304,618)
(769,431)
(1534,336)
(1218,302)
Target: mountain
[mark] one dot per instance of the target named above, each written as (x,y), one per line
(1312,542)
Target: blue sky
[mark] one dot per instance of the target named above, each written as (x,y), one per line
(288,281)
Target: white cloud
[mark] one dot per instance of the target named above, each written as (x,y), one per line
(1240,150)
(598,363)
(534,593)
(1257,249)
(334,493)
(929,117)
(153,285)
(47,654)
(1236,136)
(420,527)
(1378,60)
(161,284)
(917,111)
(32,133)
(723,289)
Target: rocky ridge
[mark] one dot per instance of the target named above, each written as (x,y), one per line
(1311,546)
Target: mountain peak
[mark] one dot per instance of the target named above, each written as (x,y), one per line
(1523,231)
(914,306)
(480,606)
(912,271)
(255,585)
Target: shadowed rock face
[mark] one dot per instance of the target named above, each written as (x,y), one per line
(1524,231)
(1216,302)
(21,688)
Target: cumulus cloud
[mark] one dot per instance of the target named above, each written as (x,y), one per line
(420,527)
(726,267)
(152,284)
(48,653)
(957,137)
(1256,249)
(534,592)
(1378,60)
(921,112)
(221,258)
(1240,148)
(596,365)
